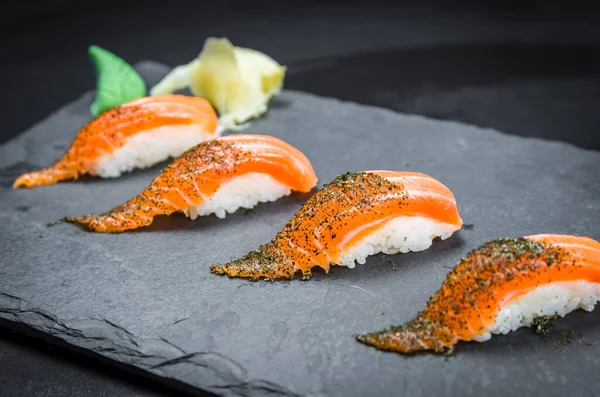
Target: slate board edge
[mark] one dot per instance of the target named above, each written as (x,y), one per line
(54,331)
(54,340)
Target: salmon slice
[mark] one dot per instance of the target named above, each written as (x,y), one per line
(356,215)
(497,288)
(240,169)
(137,134)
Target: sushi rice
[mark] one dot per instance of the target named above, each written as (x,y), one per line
(555,299)
(245,191)
(228,173)
(150,147)
(401,234)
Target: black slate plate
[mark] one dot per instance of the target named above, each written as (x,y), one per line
(147,299)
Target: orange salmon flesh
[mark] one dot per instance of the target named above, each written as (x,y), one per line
(486,281)
(338,216)
(199,173)
(112,129)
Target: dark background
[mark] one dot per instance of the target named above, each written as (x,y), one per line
(528,68)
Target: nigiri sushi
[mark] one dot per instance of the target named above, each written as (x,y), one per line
(499,287)
(217,176)
(354,216)
(138,134)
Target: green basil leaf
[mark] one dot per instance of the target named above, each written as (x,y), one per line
(116,81)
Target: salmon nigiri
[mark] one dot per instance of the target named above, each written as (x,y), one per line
(217,176)
(138,134)
(501,286)
(354,216)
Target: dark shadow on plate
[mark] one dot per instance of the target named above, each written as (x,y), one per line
(380,265)
(285,207)
(411,80)
(161,223)
(565,333)
(9,174)
(150,173)
(384,265)
(520,341)
(524,339)
(277,103)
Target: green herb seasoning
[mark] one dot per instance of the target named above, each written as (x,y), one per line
(470,297)
(542,325)
(313,236)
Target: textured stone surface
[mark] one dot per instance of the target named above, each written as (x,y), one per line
(148,299)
